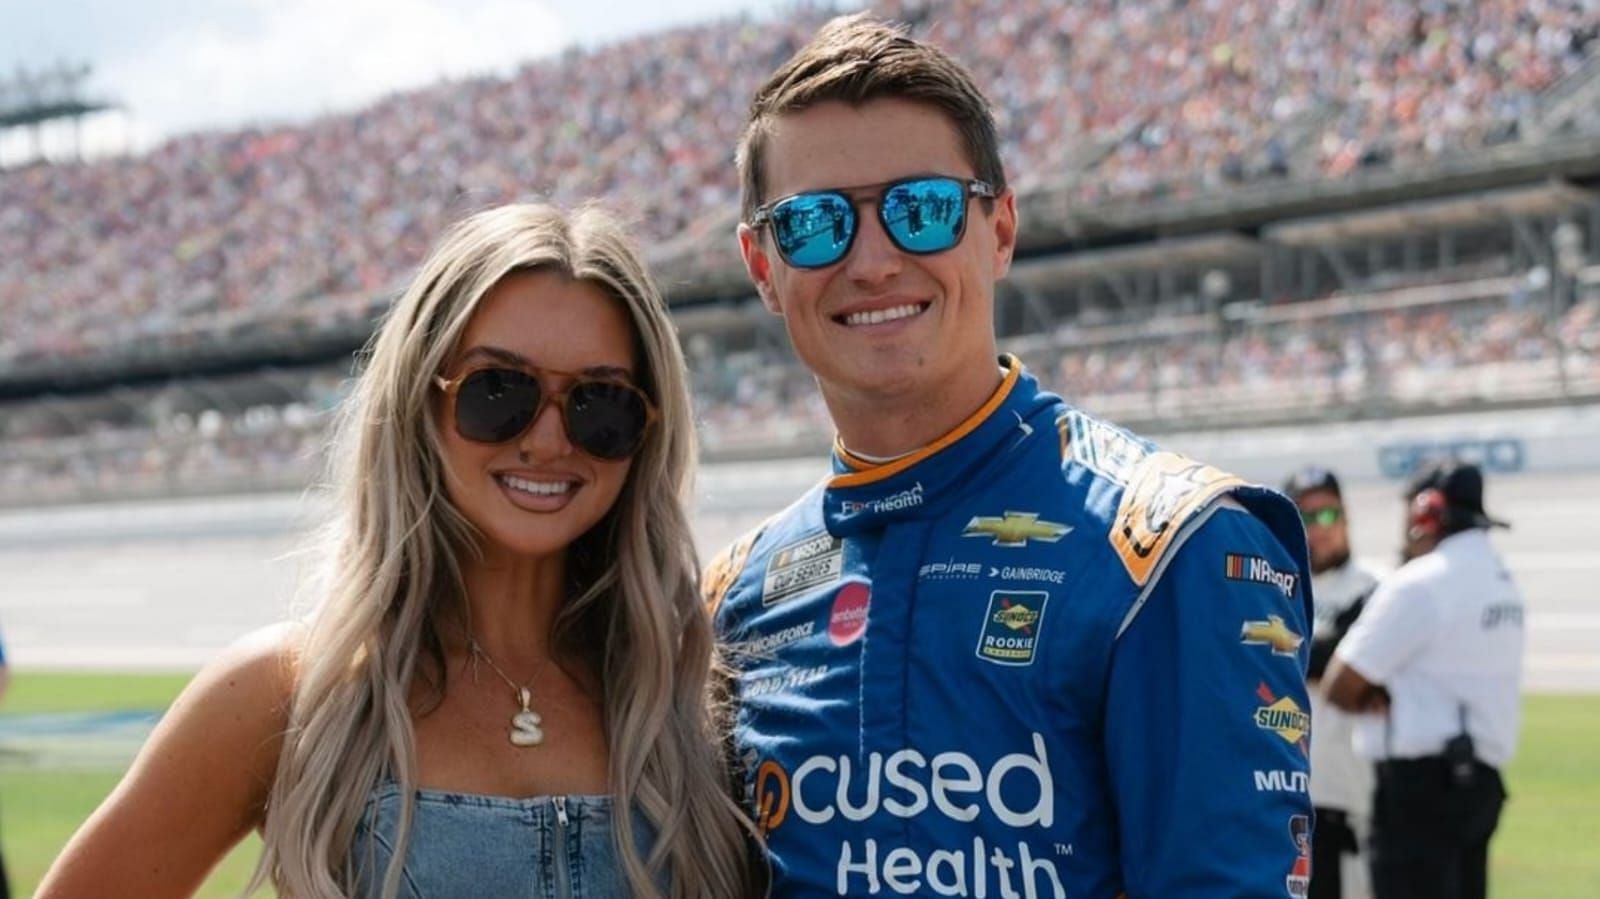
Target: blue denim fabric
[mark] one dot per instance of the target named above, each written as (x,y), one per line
(466,845)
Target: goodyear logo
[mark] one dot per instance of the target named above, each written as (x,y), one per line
(1015,528)
(801,566)
(1272,632)
(1258,571)
(1010,632)
(1283,716)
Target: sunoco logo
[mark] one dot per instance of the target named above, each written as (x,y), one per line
(1011,626)
(1282,716)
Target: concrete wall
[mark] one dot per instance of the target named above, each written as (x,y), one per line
(1534,441)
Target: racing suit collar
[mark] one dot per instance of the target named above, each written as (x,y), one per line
(861,497)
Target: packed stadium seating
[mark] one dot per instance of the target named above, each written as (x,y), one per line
(305,228)
(1125,99)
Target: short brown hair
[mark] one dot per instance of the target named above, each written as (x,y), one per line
(855,59)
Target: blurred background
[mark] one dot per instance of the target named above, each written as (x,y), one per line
(1357,233)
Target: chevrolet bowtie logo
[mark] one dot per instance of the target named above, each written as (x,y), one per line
(1015,529)
(1272,632)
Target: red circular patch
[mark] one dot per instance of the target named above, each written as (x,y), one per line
(849,619)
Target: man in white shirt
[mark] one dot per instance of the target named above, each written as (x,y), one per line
(1341,781)
(1435,663)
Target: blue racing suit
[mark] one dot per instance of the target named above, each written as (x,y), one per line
(1040,658)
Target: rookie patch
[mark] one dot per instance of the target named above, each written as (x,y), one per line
(1010,632)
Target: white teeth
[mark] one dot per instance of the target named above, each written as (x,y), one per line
(878,316)
(537,488)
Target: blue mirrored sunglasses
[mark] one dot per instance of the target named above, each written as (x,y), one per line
(923,215)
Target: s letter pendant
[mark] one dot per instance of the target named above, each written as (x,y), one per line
(525,729)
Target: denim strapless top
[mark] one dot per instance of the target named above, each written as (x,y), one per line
(467,845)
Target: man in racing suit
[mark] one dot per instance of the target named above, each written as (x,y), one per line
(1006,650)
(1341,781)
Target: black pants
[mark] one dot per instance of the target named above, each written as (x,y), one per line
(1332,839)
(1430,834)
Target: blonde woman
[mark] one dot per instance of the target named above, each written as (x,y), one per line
(504,690)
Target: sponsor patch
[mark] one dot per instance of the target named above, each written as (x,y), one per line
(1015,528)
(1103,448)
(771,796)
(1282,716)
(1024,573)
(799,567)
(1282,782)
(950,570)
(1010,632)
(1272,632)
(767,644)
(909,498)
(1166,489)
(848,620)
(919,783)
(1257,570)
(1298,882)
(790,679)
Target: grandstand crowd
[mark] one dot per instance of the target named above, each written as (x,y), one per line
(1493,348)
(313,226)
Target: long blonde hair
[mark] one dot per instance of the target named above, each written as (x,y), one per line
(394,576)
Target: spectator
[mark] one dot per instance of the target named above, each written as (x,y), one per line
(1434,665)
(1341,781)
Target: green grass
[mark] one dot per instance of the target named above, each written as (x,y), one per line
(40,810)
(1543,850)
(31,692)
(1545,847)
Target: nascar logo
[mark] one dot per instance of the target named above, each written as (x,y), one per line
(801,566)
(1259,571)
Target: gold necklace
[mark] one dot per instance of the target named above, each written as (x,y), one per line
(526,729)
